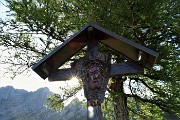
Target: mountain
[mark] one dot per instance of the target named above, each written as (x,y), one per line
(16,104)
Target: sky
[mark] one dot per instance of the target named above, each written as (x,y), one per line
(30,81)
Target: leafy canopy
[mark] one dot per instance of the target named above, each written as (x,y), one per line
(41,25)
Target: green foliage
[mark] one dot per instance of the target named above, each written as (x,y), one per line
(151,23)
(55,101)
(107,108)
(144,111)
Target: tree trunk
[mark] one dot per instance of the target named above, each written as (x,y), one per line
(120,100)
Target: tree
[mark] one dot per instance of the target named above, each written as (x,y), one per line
(151,23)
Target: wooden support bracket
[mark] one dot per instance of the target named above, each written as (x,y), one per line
(126,68)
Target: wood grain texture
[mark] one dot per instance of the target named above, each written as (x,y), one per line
(126,68)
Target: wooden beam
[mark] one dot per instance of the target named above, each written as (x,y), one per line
(126,68)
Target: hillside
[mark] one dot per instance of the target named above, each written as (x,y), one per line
(18,104)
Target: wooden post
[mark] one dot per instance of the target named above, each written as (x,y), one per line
(93,112)
(94,71)
(93,106)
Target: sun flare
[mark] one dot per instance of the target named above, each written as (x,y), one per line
(74,81)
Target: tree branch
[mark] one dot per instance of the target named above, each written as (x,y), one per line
(161,104)
(152,76)
(144,83)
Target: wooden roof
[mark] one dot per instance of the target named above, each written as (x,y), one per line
(50,63)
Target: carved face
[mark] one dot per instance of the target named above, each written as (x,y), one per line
(94,74)
(94,78)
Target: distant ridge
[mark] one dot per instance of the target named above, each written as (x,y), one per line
(19,104)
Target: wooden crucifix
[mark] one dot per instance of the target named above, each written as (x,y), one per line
(94,69)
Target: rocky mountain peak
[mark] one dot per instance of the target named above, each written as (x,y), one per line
(17,104)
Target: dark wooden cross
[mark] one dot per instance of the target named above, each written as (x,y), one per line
(94,69)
